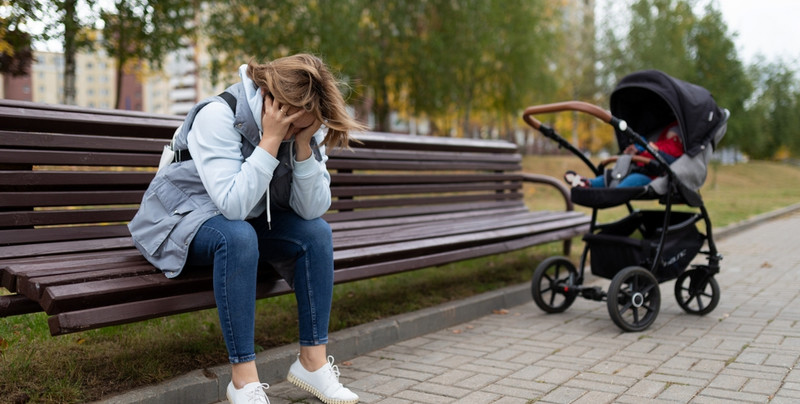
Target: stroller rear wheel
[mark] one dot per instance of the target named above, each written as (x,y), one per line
(553,286)
(634,299)
(697,292)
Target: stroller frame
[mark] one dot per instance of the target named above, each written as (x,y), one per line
(670,239)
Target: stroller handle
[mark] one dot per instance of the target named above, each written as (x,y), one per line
(581,106)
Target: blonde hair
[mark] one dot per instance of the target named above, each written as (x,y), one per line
(304,81)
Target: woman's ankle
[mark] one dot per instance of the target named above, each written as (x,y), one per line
(244,373)
(313,357)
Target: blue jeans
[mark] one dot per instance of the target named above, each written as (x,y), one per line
(235,248)
(631,180)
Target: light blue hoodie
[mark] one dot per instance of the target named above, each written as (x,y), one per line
(228,174)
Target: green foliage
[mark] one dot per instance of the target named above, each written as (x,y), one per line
(16,54)
(442,59)
(772,119)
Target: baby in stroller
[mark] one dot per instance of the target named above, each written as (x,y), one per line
(668,145)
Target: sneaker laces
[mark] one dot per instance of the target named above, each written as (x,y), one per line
(334,368)
(259,394)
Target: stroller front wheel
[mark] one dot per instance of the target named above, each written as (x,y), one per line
(553,285)
(697,292)
(634,299)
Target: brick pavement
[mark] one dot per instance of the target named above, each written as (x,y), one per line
(746,350)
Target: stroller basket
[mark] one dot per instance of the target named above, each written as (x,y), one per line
(634,240)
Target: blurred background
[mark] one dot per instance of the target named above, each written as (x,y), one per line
(462,68)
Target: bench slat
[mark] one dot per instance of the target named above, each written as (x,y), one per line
(23,236)
(28,180)
(369,153)
(62,141)
(46,249)
(410,165)
(416,216)
(35,117)
(378,253)
(346,218)
(69,198)
(34,287)
(348,204)
(372,178)
(422,188)
(77,158)
(380,140)
(76,261)
(436,229)
(75,296)
(55,217)
(79,320)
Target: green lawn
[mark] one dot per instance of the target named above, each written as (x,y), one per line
(36,367)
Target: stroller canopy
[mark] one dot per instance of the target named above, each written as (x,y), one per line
(650,99)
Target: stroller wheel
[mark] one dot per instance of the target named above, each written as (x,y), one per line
(634,299)
(553,286)
(697,292)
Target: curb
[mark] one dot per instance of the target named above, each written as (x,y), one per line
(746,224)
(208,385)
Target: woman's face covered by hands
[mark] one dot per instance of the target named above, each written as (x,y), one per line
(287,120)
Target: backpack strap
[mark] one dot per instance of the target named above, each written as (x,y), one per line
(230,99)
(183,155)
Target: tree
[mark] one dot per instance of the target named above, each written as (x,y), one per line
(717,68)
(145,30)
(659,37)
(477,58)
(16,53)
(772,121)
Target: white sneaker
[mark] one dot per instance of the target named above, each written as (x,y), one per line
(323,383)
(251,393)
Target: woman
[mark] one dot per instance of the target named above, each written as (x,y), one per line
(248,185)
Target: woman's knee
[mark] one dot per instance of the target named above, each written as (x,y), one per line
(236,235)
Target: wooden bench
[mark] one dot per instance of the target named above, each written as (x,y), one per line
(70,179)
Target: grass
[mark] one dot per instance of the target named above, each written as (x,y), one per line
(86,366)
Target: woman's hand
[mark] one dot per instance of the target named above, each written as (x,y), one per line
(302,140)
(275,124)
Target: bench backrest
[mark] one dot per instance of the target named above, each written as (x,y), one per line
(70,178)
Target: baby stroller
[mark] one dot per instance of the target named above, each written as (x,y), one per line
(646,247)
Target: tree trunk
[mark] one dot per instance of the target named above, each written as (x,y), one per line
(71,28)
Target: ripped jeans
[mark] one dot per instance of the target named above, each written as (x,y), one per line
(235,248)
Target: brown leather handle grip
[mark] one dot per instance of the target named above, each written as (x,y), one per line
(581,106)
